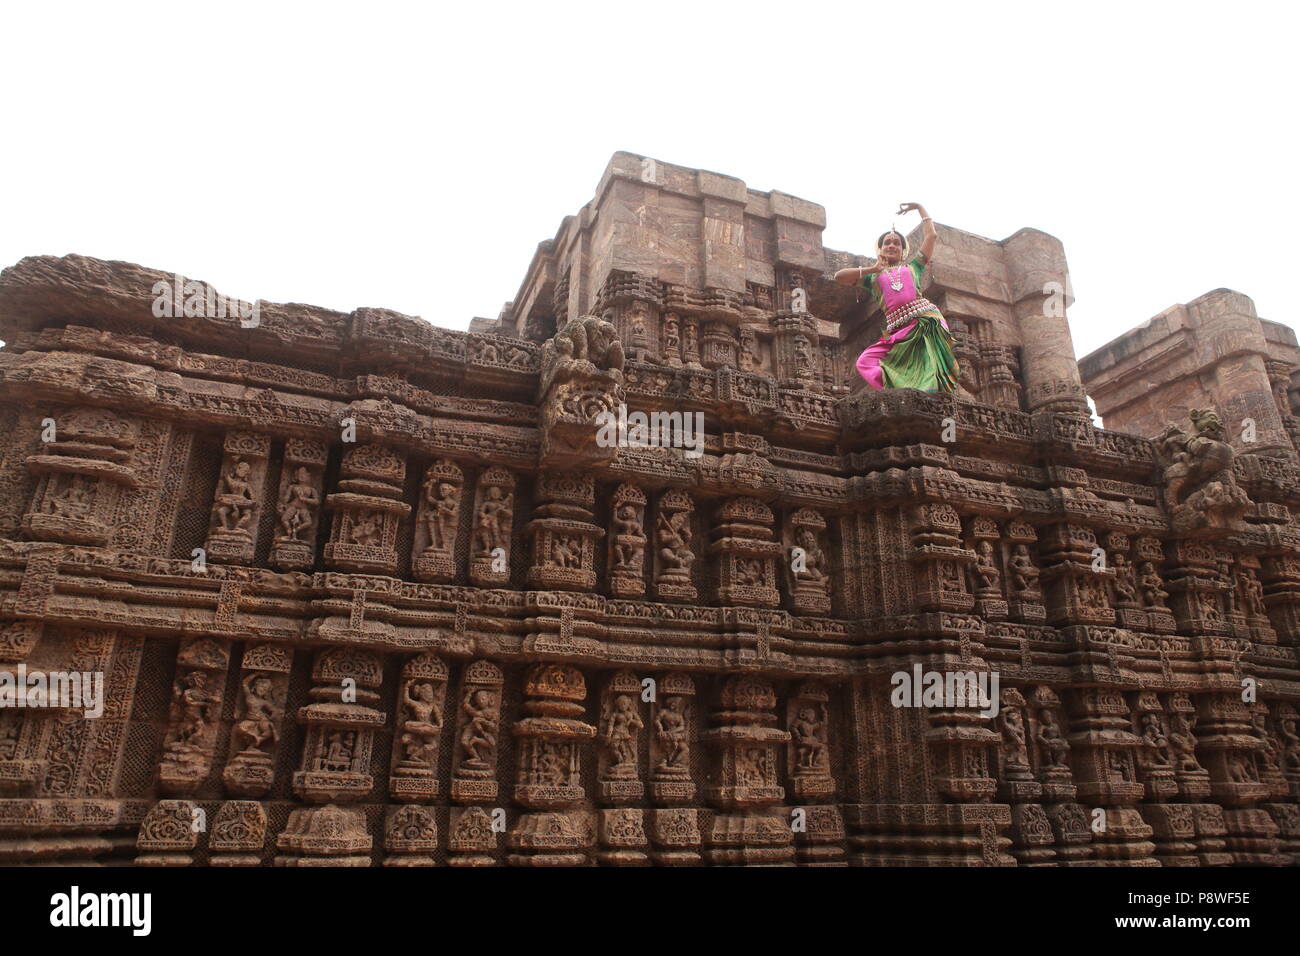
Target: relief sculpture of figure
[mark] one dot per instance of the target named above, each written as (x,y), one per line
(478,740)
(619,732)
(808,732)
(674,540)
(494,516)
(1024,576)
(813,558)
(297,504)
(258,724)
(422,723)
(440,517)
(235,503)
(670,732)
(916,349)
(1050,738)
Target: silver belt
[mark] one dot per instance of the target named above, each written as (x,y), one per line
(895,319)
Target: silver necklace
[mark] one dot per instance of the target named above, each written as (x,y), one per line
(896,278)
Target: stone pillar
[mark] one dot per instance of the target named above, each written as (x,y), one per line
(1231,353)
(367,509)
(1077,582)
(1102,749)
(1226,738)
(741,540)
(340,727)
(554,830)
(81,476)
(563,534)
(939,560)
(748,827)
(1039,282)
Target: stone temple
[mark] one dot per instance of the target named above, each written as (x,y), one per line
(366,591)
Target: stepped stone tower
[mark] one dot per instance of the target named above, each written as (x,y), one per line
(366,591)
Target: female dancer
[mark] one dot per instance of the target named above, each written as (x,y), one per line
(916,349)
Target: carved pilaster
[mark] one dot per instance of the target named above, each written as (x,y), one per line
(939,559)
(232,533)
(746,555)
(196,709)
(554,830)
(259,715)
(436,524)
(81,477)
(1076,577)
(298,512)
(421,698)
(494,512)
(367,511)
(340,726)
(747,749)
(563,534)
(627,542)
(1102,752)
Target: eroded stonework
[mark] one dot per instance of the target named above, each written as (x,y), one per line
(366,591)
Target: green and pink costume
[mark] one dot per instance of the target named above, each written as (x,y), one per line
(916,349)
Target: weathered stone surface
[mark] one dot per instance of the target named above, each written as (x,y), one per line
(367,591)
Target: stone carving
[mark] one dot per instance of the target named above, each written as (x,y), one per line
(493,521)
(627,542)
(437,522)
(419,724)
(293,547)
(1201,492)
(673,555)
(255,737)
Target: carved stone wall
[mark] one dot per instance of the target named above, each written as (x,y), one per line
(365,591)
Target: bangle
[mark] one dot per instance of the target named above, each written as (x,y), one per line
(926,219)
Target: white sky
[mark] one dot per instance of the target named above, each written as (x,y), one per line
(412,156)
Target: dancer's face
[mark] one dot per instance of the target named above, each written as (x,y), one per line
(891,250)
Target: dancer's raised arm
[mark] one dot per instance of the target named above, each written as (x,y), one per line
(928,235)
